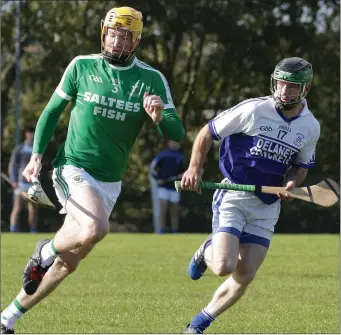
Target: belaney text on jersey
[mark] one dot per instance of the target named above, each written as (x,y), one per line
(272,150)
(111,102)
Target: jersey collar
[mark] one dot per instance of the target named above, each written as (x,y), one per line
(303,112)
(122,68)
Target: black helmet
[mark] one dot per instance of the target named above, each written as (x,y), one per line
(293,70)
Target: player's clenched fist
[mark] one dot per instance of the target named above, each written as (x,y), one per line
(153,106)
(33,168)
(190,180)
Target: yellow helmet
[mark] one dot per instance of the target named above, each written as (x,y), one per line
(125,18)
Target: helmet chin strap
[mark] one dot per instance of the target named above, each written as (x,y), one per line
(287,106)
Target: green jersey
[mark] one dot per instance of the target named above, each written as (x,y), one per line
(106,115)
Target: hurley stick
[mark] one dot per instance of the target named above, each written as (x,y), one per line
(326,193)
(37,196)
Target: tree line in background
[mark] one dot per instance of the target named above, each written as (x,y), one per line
(213,53)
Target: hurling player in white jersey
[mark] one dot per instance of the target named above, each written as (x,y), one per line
(265,141)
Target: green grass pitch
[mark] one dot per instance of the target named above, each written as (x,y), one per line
(138,283)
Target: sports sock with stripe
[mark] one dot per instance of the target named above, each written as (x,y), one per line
(48,254)
(12,313)
(202,320)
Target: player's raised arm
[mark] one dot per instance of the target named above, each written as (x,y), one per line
(161,109)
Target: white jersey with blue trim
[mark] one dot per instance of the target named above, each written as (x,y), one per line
(259,143)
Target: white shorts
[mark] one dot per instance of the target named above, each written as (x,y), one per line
(69,180)
(243,214)
(169,195)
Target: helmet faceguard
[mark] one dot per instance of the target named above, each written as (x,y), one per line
(291,71)
(128,20)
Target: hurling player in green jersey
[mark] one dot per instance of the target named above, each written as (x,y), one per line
(112,94)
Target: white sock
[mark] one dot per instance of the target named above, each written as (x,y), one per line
(12,313)
(48,254)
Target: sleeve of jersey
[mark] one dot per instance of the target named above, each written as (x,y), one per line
(67,87)
(171,126)
(232,121)
(306,156)
(47,123)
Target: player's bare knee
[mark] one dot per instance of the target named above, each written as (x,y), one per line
(95,232)
(223,269)
(244,278)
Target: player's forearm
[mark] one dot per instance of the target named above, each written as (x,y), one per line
(201,146)
(171,126)
(297,175)
(47,123)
